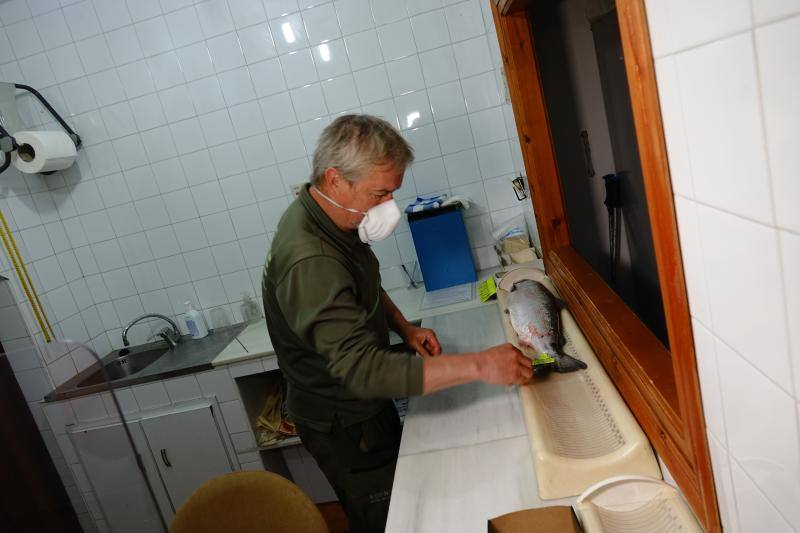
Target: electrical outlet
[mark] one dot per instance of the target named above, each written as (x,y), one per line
(296,188)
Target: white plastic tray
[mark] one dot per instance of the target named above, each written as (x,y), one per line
(580,428)
(635,504)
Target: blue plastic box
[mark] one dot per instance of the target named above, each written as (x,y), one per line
(443,249)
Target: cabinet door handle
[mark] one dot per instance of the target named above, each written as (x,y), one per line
(164,458)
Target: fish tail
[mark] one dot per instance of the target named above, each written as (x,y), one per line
(567,363)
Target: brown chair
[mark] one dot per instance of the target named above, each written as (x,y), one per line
(248,502)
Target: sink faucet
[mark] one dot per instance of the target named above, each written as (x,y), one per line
(171,336)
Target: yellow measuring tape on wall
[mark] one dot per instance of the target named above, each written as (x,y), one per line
(24,278)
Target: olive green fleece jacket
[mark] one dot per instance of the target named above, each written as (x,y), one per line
(323,302)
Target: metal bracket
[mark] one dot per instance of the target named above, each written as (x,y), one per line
(587,153)
(72,135)
(7,142)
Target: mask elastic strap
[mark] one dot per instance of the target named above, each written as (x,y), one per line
(337,204)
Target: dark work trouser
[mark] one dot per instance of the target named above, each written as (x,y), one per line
(359,462)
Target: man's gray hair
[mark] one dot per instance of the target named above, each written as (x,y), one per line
(355,144)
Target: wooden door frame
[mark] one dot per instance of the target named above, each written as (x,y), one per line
(660,385)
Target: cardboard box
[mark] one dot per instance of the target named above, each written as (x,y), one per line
(555,519)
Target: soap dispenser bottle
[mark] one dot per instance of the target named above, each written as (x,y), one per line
(195,322)
(250,311)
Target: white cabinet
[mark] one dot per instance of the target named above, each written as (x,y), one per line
(181,447)
(188,449)
(120,488)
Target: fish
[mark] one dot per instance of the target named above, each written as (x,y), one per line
(535,315)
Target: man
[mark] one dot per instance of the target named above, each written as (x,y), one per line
(328,318)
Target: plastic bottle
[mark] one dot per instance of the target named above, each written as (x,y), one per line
(195,322)
(250,311)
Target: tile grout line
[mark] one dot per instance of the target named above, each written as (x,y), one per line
(793,368)
(737,215)
(759,489)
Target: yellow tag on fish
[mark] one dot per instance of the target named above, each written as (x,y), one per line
(543,359)
(487,289)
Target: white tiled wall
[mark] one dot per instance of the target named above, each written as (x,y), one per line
(197,117)
(728,73)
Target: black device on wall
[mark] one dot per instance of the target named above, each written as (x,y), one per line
(613,203)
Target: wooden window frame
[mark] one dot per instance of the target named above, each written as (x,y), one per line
(660,385)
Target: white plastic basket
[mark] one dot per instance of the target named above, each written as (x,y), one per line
(635,504)
(581,431)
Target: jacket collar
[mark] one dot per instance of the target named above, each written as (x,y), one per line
(348,239)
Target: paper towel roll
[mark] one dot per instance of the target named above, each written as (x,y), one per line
(43,151)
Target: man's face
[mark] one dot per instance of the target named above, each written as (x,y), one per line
(374,188)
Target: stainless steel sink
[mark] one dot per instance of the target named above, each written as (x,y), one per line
(148,362)
(124,363)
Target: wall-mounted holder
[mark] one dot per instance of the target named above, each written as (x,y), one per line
(519,187)
(7,142)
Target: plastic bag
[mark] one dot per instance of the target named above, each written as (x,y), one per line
(274,424)
(513,243)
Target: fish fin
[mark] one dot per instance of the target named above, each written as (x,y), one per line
(561,340)
(567,363)
(564,362)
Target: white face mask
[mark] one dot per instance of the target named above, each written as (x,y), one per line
(378,223)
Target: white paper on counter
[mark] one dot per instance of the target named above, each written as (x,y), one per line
(448,296)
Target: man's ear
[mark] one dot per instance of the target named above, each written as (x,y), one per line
(332,178)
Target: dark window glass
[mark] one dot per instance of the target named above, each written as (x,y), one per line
(582,68)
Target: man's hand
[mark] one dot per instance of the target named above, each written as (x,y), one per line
(421,340)
(505,365)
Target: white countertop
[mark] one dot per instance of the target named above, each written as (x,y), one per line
(254,342)
(464,454)
(459,489)
(409,301)
(471,413)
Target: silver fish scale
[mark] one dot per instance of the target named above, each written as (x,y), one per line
(549,331)
(523,318)
(577,417)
